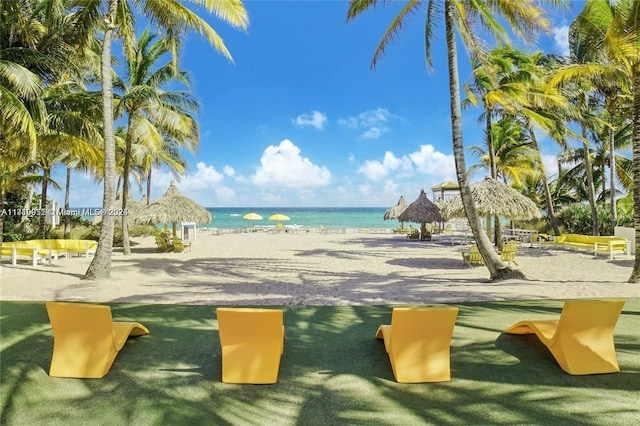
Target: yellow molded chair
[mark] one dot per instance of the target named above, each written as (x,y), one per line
(509,251)
(473,256)
(418,343)
(581,340)
(86,340)
(163,245)
(252,342)
(180,246)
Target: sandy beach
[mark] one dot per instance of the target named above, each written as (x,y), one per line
(310,268)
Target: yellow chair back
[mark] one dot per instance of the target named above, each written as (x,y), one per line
(252,342)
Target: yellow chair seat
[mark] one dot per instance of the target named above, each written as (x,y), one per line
(581,340)
(85,339)
(252,342)
(418,343)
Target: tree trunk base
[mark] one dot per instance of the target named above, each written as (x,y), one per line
(508,274)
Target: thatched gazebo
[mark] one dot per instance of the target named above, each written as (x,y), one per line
(421,211)
(396,210)
(134,208)
(173,207)
(494,198)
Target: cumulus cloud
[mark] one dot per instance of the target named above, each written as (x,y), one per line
(284,166)
(372,123)
(205,177)
(310,119)
(376,170)
(550,163)
(434,163)
(561,39)
(228,170)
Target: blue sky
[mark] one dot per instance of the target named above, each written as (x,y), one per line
(300,120)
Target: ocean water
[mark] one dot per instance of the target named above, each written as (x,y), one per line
(328,217)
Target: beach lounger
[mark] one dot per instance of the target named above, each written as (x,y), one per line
(418,343)
(473,257)
(180,246)
(581,340)
(509,252)
(86,340)
(252,342)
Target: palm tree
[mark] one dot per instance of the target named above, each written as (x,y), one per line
(154,111)
(524,19)
(173,19)
(611,30)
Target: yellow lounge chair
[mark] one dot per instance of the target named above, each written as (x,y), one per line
(86,340)
(252,342)
(581,340)
(473,256)
(418,343)
(509,251)
(162,244)
(180,246)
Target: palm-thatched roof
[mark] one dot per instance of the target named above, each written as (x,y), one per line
(396,210)
(173,207)
(133,207)
(422,210)
(494,198)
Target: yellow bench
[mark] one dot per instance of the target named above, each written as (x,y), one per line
(18,250)
(590,242)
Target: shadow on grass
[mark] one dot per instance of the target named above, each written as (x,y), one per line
(333,371)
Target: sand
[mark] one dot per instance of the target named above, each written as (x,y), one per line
(311,268)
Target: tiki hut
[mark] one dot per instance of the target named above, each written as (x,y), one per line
(493,198)
(133,208)
(421,211)
(396,210)
(173,207)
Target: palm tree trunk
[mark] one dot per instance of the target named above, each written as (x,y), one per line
(635,274)
(27,203)
(67,207)
(149,187)
(591,188)
(547,193)
(126,247)
(43,204)
(497,269)
(100,266)
(612,178)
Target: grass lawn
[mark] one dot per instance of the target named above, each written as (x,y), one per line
(333,372)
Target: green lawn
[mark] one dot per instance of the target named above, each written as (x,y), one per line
(333,372)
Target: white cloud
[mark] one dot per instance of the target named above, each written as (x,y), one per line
(314,119)
(376,170)
(283,165)
(228,170)
(561,39)
(205,177)
(372,123)
(434,163)
(550,163)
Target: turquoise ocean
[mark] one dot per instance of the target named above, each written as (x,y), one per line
(327,217)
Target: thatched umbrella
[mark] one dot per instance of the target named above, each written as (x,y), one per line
(173,207)
(421,211)
(133,207)
(494,198)
(396,210)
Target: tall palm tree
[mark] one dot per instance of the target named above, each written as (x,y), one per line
(524,19)
(154,111)
(613,29)
(173,19)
